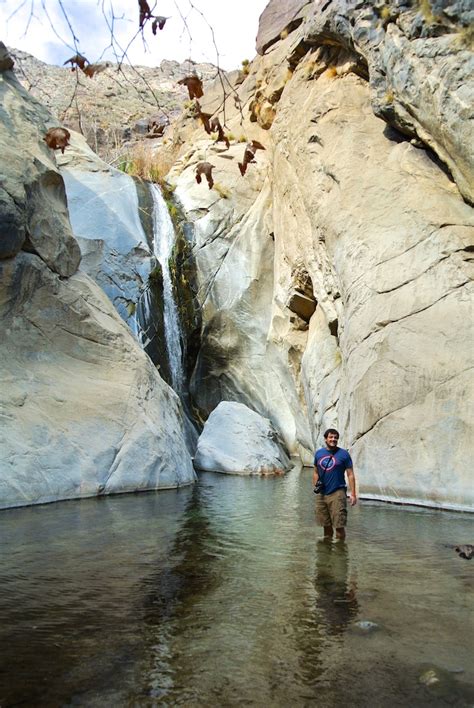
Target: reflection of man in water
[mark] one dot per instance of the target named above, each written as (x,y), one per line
(337,599)
(330,464)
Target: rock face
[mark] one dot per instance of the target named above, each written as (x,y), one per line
(364,222)
(233,253)
(420,66)
(236,440)
(83,410)
(33,212)
(104,211)
(279,17)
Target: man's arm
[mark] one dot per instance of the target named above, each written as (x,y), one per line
(315,475)
(352,485)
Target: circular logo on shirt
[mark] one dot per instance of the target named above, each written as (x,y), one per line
(327,462)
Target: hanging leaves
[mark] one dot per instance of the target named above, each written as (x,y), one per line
(77,60)
(144,13)
(216,127)
(205,168)
(249,155)
(57,138)
(194,85)
(158,22)
(204,117)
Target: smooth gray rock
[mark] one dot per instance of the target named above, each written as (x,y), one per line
(276,17)
(84,412)
(33,202)
(236,440)
(104,211)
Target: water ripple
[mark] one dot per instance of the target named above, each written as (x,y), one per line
(222,595)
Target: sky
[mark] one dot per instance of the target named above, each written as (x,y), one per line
(40,28)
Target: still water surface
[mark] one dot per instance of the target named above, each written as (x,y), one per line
(222,595)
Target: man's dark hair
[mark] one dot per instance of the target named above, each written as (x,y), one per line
(331,430)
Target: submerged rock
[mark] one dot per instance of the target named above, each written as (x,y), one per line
(365,627)
(236,440)
(444,685)
(429,677)
(466,551)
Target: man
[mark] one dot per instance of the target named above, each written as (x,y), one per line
(330,464)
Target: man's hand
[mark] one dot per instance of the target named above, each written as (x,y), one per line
(352,485)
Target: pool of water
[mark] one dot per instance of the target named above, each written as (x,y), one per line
(224,595)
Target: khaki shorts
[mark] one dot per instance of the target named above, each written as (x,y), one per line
(331,510)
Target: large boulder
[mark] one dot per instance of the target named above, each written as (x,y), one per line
(84,411)
(237,440)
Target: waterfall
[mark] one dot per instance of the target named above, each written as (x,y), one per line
(140,330)
(163,241)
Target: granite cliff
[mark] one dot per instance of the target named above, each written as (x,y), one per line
(84,412)
(335,277)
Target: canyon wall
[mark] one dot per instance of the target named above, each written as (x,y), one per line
(335,276)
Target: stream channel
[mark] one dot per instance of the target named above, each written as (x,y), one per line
(222,594)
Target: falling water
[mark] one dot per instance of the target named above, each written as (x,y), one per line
(163,241)
(139,323)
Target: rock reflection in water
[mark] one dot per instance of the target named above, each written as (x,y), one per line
(170,592)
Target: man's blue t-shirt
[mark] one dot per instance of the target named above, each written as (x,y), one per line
(331,467)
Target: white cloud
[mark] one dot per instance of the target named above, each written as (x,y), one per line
(46,34)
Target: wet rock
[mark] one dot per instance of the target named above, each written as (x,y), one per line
(365,627)
(84,411)
(236,440)
(105,217)
(466,551)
